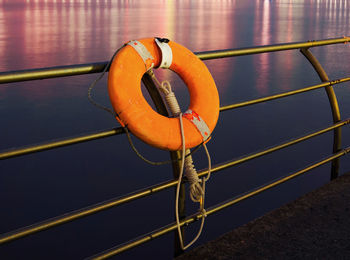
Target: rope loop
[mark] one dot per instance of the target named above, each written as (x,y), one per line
(166,87)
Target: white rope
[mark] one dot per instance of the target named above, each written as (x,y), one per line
(93,84)
(197,191)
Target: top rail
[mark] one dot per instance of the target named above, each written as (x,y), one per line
(81,69)
(208,55)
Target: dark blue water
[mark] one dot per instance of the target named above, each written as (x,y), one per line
(60,32)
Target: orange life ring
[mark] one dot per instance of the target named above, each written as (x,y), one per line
(124,87)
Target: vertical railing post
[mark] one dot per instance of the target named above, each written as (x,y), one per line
(175,156)
(334,106)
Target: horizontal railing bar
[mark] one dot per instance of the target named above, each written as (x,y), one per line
(16,234)
(105,133)
(81,69)
(286,94)
(274,148)
(64,142)
(166,229)
(51,72)
(70,216)
(208,55)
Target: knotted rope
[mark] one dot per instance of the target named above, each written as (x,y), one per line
(197,191)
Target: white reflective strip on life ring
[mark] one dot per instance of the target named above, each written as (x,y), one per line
(142,51)
(167,54)
(198,122)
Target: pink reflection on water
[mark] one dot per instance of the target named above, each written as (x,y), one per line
(43,33)
(285,34)
(40,33)
(75,29)
(262,36)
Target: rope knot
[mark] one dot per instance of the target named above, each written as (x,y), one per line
(169,95)
(196,190)
(166,87)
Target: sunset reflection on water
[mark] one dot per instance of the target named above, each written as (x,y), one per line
(37,33)
(52,33)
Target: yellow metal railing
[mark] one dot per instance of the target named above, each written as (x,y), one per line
(63,71)
(81,69)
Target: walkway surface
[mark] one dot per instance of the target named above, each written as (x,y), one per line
(315,226)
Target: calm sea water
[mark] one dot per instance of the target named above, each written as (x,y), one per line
(38,33)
